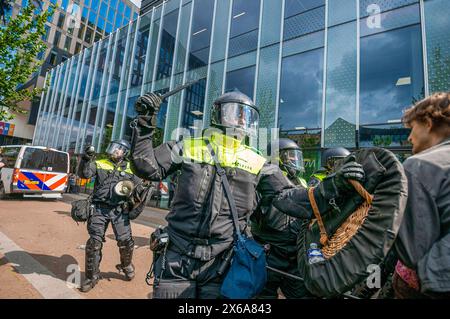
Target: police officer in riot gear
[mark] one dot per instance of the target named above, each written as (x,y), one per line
(270,226)
(200,226)
(109,207)
(329,159)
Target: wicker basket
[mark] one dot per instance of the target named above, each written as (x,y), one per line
(331,246)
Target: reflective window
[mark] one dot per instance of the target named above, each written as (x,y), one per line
(300,104)
(437,25)
(167,48)
(87,3)
(304,23)
(81,32)
(387,135)
(64,4)
(101,23)
(127,11)
(89,35)
(391,74)
(293,7)
(118,22)
(242,80)
(61,19)
(108,28)
(121,7)
(193,105)
(92,19)
(94,6)
(56,38)
(67,43)
(201,33)
(103,9)
(111,15)
(244,27)
(84,14)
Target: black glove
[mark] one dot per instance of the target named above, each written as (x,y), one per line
(350,170)
(148,104)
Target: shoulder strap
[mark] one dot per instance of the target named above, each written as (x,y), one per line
(226,186)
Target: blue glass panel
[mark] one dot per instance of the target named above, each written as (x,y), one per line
(341,11)
(340,110)
(92,17)
(127,11)
(220,31)
(293,7)
(271,22)
(111,15)
(167,48)
(267,84)
(391,20)
(109,27)
(113,4)
(244,27)
(305,43)
(242,80)
(304,23)
(121,7)
(64,4)
(201,33)
(437,26)
(94,6)
(370,7)
(103,10)
(391,74)
(301,91)
(101,23)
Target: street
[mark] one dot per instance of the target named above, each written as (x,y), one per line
(41,248)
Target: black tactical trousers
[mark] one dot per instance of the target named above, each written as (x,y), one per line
(290,287)
(99,221)
(180,276)
(97,225)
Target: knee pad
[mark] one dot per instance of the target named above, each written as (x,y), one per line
(127,243)
(93,244)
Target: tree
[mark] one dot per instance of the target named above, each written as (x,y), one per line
(20,43)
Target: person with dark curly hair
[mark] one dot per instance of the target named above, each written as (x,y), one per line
(423,243)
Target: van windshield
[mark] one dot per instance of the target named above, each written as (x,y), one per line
(41,159)
(8,156)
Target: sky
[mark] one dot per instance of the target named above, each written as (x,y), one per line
(137,2)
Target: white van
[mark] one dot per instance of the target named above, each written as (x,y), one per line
(33,171)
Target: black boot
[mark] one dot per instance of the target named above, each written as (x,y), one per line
(126,255)
(92,264)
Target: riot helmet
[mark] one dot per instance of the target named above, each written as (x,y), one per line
(288,154)
(118,150)
(332,155)
(235,113)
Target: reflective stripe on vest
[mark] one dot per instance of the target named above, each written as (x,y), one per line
(238,155)
(108,166)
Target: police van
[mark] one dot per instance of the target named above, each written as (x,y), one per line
(33,171)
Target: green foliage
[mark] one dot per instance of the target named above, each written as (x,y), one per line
(20,43)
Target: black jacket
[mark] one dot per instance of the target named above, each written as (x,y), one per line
(200,213)
(272,226)
(107,174)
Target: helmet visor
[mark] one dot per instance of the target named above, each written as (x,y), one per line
(292,159)
(236,115)
(116,150)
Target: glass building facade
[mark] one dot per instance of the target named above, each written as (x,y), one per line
(324,72)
